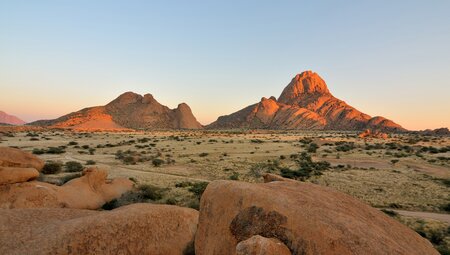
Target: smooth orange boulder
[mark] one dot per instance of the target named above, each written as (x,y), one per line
(91,191)
(12,157)
(133,229)
(307,218)
(9,175)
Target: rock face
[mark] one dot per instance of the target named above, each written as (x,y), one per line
(258,245)
(373,134)
(128,111)
(91,191)
(10,119)
(306,103)
(10,175)
(307,218)
(133,229)
(12,157)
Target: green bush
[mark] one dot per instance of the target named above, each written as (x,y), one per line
(234,176)
(312,148)
(394,161)
(306,168)
(52,167)
(344,146)
(152,192)
(157,162)
(198,188)
(73,166)
(55,150)
(69,177)
(90,162)
(38,151)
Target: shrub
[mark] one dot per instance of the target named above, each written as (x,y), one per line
(38,151)
(307,168)
(305,140)
(389,212)
(52,167)
(113,204)
(446,207)
(55,150)
(69,177)
(151,192)
(73,166)
(157,162)
(183,184)
(345,146)
(234,176)
(129,160)
(72,143)
(198,188)
(394,161)
(312,148)
(203,154)
(90,162)
(260,168)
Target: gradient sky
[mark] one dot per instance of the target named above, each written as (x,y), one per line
(388,58)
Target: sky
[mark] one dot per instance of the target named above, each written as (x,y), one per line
(388,58)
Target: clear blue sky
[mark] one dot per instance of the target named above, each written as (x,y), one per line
(389,58)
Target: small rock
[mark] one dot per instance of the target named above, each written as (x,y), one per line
(258,245)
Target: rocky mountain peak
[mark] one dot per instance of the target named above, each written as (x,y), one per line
(303,84)
(126,98)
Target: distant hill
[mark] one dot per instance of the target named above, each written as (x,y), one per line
(305,103)
(128,111)
(10,119)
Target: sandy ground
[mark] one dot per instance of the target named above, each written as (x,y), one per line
(413,183)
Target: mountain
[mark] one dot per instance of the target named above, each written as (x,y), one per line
(128,111)
(305,103)
(10,119)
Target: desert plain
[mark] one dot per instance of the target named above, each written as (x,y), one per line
(407,175)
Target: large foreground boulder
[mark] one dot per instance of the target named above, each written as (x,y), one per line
(307,218)
(133,229)
(12,157)
(91,191)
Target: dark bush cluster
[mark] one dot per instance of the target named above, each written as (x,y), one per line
(73,166)
(344,146)
(50,150)
(52,167)
(306,168)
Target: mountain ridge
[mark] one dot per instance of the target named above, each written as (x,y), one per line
(305,103)
(10,119)
(127,111)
